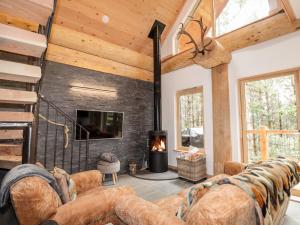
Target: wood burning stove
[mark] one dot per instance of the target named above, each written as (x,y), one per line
(158,152)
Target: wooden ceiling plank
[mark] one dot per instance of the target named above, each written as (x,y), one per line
(110,32)
(67,56)
(130,20)
(33,10)
(79,41)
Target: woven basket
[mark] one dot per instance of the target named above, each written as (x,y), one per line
(193,170)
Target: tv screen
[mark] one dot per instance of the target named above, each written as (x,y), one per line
(100,124)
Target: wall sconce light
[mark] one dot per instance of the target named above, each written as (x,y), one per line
(94,90)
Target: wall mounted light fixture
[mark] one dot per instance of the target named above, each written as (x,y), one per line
(107,91)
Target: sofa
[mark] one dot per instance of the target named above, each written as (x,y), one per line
(224,204)
(36,203)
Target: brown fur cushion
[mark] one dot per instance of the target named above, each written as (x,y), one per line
(87,180)
(34,200)
(137,211)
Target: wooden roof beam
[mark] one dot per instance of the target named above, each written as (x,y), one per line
(68,38)
(257,32)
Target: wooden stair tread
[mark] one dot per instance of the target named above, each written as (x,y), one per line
(16,117)
(19,72)
(36,11)
(11,149)
(296,190)
(17,97)
(11,134)
(9,161)
(16,40)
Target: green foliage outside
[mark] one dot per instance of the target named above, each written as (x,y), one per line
(272,103)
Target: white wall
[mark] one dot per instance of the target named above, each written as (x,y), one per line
(192,76)
(271,56)
(278,54)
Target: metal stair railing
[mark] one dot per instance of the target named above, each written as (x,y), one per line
(68,153)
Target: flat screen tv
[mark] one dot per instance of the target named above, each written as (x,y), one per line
(100,124)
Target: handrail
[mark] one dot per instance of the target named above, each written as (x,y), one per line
(65,121)
(61,111)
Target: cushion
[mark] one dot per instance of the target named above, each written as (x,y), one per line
(62,183)
(66,184)
(87,180)
(109,157)
(34,200)
(137,211)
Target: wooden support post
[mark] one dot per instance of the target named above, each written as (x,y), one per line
(263,140)
(221,118)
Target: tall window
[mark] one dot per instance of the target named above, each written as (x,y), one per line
(270,116)
(190,124)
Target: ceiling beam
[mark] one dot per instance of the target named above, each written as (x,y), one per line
(89,44)
(257,32)
(76,58)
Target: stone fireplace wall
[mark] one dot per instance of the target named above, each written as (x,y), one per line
(133,97)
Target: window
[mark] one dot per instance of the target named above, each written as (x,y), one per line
(238,13)
(270,116)
(190,129)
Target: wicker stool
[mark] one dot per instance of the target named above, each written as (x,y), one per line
(109,168)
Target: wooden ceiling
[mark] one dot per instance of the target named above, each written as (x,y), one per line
(129,20)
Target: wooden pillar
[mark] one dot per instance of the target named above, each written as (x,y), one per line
(221,118)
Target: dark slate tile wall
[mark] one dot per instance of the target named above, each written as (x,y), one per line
(133,97)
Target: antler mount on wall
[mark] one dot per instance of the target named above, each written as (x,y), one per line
(207,51)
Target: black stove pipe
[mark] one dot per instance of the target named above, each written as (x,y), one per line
(155,34)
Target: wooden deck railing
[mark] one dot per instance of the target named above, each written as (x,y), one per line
(264,133)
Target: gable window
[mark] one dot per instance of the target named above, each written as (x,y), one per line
(190,124)
(238,13)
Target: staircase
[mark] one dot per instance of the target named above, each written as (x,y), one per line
(20,82)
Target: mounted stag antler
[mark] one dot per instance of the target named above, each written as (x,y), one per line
(199,48)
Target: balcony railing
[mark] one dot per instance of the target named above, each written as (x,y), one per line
(264,143)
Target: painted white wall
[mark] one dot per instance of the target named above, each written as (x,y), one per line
(169,45)
(296,7)
(271,56)
(192,76)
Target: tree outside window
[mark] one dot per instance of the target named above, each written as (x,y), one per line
(190,124)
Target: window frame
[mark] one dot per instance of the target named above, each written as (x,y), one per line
(193,90)
(242,103)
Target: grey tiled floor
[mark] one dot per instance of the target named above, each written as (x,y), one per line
(153,190)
